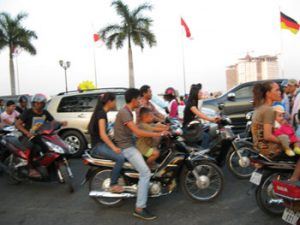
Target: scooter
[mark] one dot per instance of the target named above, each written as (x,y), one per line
(52,165)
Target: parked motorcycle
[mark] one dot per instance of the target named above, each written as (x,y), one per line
(267,172)
(52,165)
(199,177)
(290,193)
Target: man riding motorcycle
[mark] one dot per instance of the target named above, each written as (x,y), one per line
(28,124)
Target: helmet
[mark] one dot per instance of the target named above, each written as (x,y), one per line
(170,91)
(39,98)
(22,98)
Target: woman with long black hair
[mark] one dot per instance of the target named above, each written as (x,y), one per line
(101,143)
(191,111)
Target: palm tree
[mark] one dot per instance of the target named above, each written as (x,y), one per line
(14,35)
(133,27)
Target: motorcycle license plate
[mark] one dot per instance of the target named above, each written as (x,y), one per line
(256,178)
(290,216)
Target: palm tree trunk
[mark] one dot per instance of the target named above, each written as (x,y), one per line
(12,72)
(130,61)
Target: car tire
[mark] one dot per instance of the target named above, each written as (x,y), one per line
(76,140)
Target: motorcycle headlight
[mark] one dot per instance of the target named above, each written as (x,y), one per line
(249,115)
(55,148)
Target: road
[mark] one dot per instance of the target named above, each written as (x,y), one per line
(50,203)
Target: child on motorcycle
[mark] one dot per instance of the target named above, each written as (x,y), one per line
(148,145)
(285,132)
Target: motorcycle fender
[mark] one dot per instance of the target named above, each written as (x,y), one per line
(191,162)
(245,143)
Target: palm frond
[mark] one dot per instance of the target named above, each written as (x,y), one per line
(139,9)
(108,30)
(111,40)
(122,9)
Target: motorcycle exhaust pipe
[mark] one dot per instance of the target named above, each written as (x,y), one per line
(110,195)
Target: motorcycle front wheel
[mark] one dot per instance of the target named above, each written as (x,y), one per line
(204,183)
(266,199)
(238,163)
(68,179)
(100,181)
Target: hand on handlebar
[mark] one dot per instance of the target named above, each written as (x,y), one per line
(165,133)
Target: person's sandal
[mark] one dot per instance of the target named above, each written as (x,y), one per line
(116,189)
(144,214)
(34,173)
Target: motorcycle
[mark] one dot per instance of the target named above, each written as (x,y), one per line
(52,165)
(226,147)
(290,193)
(200,178)
(267,172)
(4,153)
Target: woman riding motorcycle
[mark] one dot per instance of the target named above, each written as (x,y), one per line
(265,94)
(102,144)
(191,111)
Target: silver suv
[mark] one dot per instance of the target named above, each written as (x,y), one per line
(76,108)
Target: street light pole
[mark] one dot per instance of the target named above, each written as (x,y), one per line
(65,66)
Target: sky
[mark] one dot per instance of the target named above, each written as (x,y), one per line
(222,31)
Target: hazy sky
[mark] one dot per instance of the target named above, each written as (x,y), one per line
(222,31)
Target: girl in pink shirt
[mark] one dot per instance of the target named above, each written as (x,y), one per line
(170,96)
(285,132)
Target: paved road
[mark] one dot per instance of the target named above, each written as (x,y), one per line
(50,204)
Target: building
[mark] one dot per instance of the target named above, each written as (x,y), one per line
(231,77)
(252,68)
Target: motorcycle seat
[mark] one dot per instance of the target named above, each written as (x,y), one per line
(16,142)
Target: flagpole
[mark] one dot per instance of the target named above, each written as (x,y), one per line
(183,61)
(94,56)
(95,67)
(281,45)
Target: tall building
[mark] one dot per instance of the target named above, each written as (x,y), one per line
(231,77)
(251,69)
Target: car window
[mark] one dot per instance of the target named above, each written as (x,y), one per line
(79,103)
(84,103)
(244,92)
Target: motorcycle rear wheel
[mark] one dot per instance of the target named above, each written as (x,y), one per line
(211,178)
(265,195)
(100,181)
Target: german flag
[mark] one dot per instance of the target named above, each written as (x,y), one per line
(289,23)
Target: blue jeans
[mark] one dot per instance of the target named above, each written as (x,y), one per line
(136,159)
(205,140)
(103,150)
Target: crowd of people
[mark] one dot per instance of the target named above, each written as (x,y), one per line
(275,128)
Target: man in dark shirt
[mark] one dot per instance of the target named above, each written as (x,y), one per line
(29,122)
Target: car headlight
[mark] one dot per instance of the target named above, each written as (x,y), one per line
(55,148)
